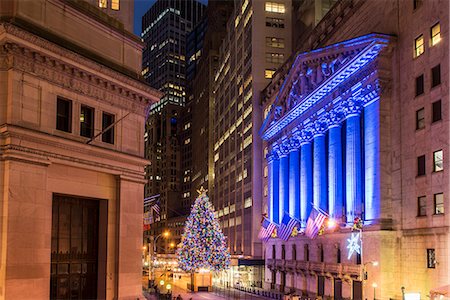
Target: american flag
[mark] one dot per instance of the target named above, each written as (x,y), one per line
(267,229)
(156,208)
(287,225)
(314,223)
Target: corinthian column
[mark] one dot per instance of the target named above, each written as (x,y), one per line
(283,153)
(353,160)
(372,161)
(335,187)
(320,165)
(294,176)
(306,174)
(273,166)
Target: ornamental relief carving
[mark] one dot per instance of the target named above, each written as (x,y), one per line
(73,79)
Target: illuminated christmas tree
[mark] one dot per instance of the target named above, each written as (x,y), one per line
(203,244)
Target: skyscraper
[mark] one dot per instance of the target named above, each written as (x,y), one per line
(257,42)
(165,27)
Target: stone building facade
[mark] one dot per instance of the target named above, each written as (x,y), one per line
(362,137)
(72,115)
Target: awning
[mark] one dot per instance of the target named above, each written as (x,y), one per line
(440,291)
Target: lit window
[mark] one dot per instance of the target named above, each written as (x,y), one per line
(419,47)
(275,42)
(420,119)
(266,171)
(422,206)
(274,57)
(438,203)
(102,3)
(187,141)
(438,161)
(268,74)
(435,34)
(275,7)
(115,4)
(431,258)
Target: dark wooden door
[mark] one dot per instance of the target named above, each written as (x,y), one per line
(337,289)
(320,285)
(357,290)
(74,258)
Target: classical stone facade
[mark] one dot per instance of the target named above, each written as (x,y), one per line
(357,127)
(71,187)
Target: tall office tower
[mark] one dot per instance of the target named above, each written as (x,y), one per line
(257,42)
(358,129)
(72,117)
(165,27)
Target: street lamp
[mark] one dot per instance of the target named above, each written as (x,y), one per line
(164,234)
(374,285)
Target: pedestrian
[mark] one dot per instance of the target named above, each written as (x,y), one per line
(179,297)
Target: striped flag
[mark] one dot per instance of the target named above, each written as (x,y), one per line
(287,225)
(314,223)
(267,229)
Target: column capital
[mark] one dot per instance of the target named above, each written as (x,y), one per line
(336,116)
(273,153)
(352,106)
(295,140)
(307,134)
(284,148)
(321,125)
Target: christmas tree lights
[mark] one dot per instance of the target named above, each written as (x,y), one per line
(203,245)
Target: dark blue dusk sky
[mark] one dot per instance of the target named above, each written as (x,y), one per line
(140,8)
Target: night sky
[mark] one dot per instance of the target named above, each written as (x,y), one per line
(140,8)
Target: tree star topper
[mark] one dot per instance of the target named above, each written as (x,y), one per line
(201,191)
(353,244)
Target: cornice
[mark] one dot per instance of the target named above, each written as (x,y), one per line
(74,63)
(55,145)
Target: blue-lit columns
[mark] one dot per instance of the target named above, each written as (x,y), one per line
(320,166)
(353,160)
(283,153)
(335,188)
(273,180)
(294,176)
(372,161)
(306,183)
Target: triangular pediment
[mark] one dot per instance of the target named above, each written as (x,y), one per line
(315,74)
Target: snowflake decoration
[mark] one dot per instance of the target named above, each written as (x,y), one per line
(353,245)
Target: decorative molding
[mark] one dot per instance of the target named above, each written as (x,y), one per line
(123,85)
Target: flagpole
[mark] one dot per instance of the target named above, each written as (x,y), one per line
(320,210)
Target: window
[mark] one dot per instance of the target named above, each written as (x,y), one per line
(438,161)
(268,74)
(276,58)
(102,3)
(321,256)
(108,120)
(274,254)
(294,252)
(275,42)
(417,3)
(419,48)
(419,85)
(420,118)
(431,258)
(87,121)
(422,206)
(436,76)
(338,255)
(421,165)
(306,253)
(275,22)
(283,252)
(438,204)
(64,115)
(435,34)
(437,111)
(275,7)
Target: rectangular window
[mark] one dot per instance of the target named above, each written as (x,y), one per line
(419,85)
(431,258)
(419,47)
(64,115)
(275,22)
(438,161)
(422,206)
(87,121)
(436,76)
(108,120)
(438,204)
(417,3)
(421,165)
(275,42)
(275,7)
(102,3)
(420,118)
(275,58)
(435,34)
(268,74)
(437,111)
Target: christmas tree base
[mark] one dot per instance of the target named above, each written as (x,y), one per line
(200,282)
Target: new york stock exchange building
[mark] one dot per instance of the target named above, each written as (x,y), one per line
(334,146)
